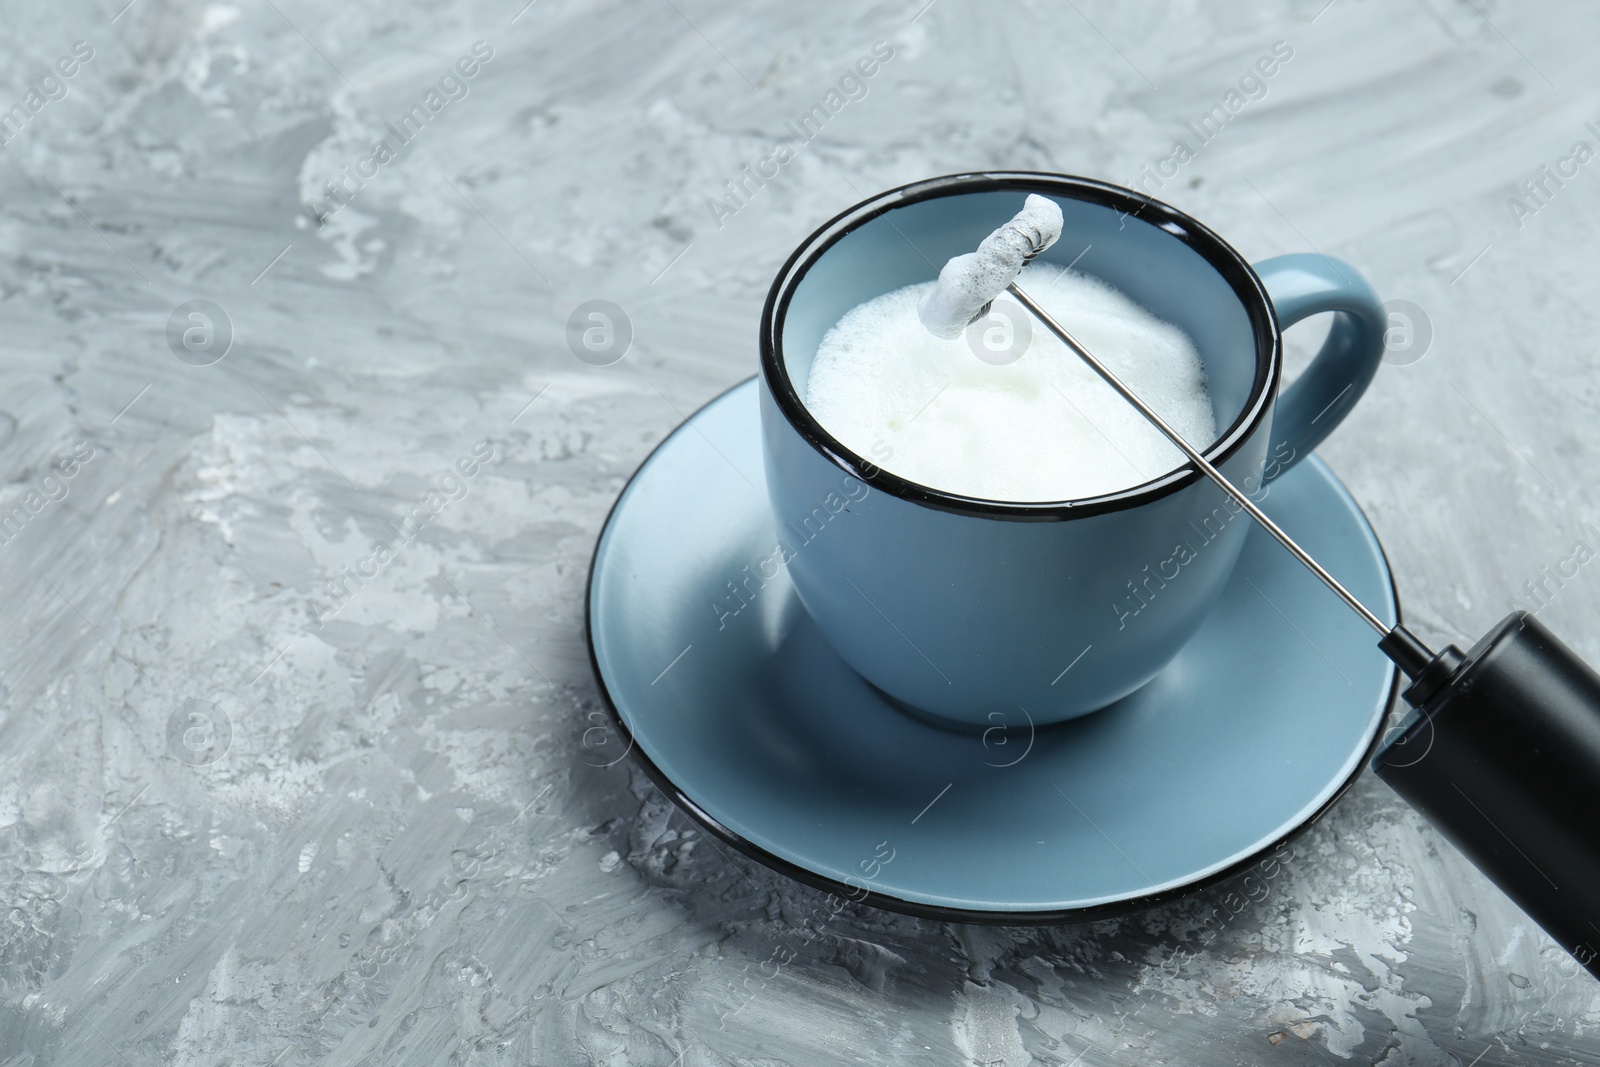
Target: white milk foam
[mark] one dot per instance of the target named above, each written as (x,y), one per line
(1041,428)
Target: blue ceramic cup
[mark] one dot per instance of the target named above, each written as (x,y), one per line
(957,606)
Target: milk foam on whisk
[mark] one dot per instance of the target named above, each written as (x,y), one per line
(1043,427)
(968,282)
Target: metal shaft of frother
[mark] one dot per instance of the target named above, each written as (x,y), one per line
(1205,466)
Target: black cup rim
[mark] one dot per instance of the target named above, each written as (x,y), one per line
(1222,257)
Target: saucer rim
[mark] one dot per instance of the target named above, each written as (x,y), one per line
(939,912)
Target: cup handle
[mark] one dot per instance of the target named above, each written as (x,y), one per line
(1304,284)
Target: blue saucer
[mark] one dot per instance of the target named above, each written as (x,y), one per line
(753,725)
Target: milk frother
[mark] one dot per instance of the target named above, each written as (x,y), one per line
(1501,750)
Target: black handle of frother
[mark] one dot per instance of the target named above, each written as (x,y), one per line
(1502,755)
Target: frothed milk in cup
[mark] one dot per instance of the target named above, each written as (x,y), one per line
(1006,411)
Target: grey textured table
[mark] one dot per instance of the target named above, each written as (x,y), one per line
(295,749)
